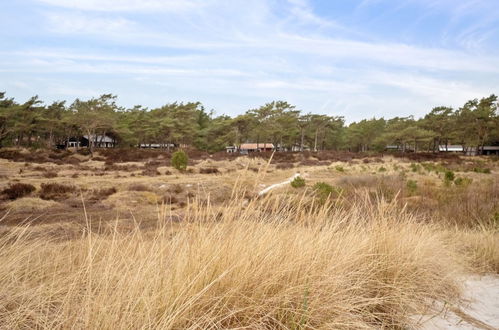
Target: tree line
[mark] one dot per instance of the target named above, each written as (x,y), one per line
(35,124)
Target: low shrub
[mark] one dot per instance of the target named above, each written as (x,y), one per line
(339,168)
(324,190)
(415,167)
(309,162)
(138,187)
(449,176)
(412,187)
(49,174)
(209,170)
(382,169)
(84,151)
(169,199)
(180,160)
(150,171)
(110,166)
(131,155)
(18,190)
(284,166)
(55,191)
(177,189)
(105,192)
(464,182)
(482,170)
(298,182)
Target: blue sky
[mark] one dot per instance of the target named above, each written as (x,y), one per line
(353,58)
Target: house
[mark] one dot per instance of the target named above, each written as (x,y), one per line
(156,145)
(451,148)
(246,148)
(490,150)
(393,147)
(100,141)
(471,151)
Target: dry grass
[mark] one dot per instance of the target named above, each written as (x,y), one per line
(30,204)
(249,268)
(367,257)
(480,248)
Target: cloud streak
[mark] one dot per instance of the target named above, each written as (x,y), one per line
(235,55)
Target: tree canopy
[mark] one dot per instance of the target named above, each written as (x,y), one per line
(35,124)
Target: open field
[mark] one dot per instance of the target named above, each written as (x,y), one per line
(123,240)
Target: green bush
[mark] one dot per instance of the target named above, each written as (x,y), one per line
(180,160)
(298,182)
(339,168)
(412,186)
(449,176)
(324,190)
(482,170)
(415,167)
(382,169)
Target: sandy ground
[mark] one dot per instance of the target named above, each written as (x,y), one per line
(480,310)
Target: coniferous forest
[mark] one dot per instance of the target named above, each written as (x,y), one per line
(36,124)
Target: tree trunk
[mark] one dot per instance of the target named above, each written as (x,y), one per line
(315,140)
(302,139)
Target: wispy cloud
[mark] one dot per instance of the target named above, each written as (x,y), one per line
(234,55)
(127,5)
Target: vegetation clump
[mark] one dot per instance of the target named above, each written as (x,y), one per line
(18,190)
(298,182)
(339,168)
(448,177)
(412,187)
(482,170)
(415,167)
(209,170)
(180,160)
(324,191)
(463,181)
(55,191)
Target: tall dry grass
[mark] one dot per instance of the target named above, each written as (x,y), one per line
(271,264)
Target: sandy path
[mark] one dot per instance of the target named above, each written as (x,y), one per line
(480,311)
(277,185)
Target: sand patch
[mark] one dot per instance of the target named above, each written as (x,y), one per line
(480,311)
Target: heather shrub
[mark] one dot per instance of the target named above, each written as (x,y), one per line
(284,166)
(150,171)
(55,191)
(18,190)
(138,187)
(209,170)
(49,174)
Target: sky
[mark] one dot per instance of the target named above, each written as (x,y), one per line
(352,58)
